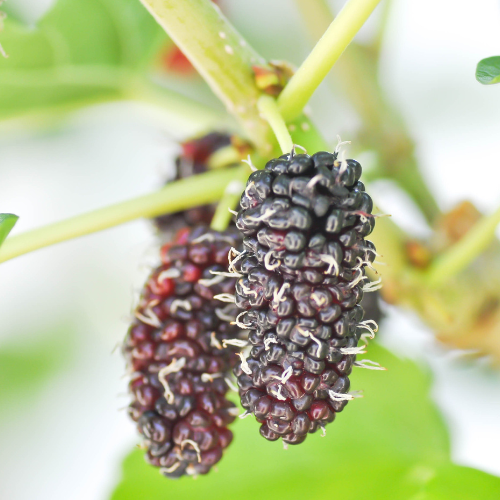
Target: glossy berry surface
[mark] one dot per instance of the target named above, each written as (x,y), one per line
(174,351)
(304,220)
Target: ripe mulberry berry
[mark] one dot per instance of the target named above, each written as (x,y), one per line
(176,352)
(304,220)
(192,161)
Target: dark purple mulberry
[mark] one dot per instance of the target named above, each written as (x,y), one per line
(175,352)
(304,220)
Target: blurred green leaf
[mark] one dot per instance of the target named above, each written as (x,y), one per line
(9,10)
(464,483)
(392,444)
(488,70)
(26,366)
(81,52)
(7,222)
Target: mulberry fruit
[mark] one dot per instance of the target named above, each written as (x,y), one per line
(176,352)
(192,161)
(304,220)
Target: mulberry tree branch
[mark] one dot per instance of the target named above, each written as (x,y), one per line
(179,195)
(221,56)
(324,55)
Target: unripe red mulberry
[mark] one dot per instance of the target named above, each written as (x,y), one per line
(175,352)
(304,220)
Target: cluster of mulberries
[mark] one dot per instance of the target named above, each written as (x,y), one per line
(192,161)
(175,350)
(304,220)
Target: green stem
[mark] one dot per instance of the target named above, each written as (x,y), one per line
(100,76)
(384,17)
(230,200)
(304,133)
(268,109)
(463,252)
(170,106)
(324,55)
(174,106)
(384,130)
(223,157)
(221,56)
(409,178)
(179,195)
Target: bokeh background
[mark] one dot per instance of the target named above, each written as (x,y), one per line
(64,309)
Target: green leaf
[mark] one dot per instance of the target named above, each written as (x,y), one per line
(465,483)
(488,70)
(7,222)
(26,366)
(10,11)
(81,52)
(390,444)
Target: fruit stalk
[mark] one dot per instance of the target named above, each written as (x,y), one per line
(229,201)
(270,112)
(383,129)
(324,55)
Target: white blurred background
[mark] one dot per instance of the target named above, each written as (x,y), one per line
(113,152)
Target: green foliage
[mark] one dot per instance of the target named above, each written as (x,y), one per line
(453,481)
(7,222)
(26,367)
(81,52)
(390,445)
(488,70)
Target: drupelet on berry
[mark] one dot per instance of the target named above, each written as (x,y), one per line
(304,220)
(176,355)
